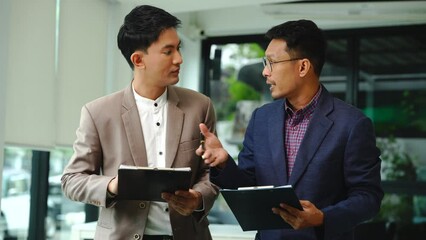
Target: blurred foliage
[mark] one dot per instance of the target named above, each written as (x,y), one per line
(241,91)
(399,113)
(397,165)
(248,51)
(236,89)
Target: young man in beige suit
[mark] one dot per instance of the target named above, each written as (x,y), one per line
(150,123)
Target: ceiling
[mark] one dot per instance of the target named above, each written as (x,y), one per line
(204,18)
(184,6)
(236,17)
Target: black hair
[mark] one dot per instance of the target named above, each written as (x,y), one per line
(141,27)
(304,40)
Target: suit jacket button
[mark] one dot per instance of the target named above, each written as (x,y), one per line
(142,205)
(137,236)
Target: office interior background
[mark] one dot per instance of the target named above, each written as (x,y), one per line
(56,55)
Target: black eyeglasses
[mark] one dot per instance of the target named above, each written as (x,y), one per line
(268,63)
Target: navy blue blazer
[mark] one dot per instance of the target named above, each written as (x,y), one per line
(337,166)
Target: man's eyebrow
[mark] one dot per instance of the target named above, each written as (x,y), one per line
(172,45)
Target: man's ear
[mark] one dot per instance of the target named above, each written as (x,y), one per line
(304,67)
(137,59)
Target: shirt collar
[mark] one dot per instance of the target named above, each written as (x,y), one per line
(308,109)
(159,102)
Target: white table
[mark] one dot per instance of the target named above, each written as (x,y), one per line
(230,232)
(218,231)
(83,231)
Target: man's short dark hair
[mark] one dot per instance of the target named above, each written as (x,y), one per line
(141,27)
(304,39)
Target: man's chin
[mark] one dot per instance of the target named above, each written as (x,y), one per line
(174,81)
(276,95)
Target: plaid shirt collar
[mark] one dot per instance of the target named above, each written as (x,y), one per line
(306,111)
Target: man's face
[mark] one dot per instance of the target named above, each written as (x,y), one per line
(283,77)
(163,60)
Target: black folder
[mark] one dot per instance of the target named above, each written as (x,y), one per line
(252,206)
(146,183)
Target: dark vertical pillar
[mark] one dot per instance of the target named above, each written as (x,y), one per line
(39,192)
(205,67)
(353,75)
(92,213)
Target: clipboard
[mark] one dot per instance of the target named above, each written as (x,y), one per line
(147,183)
(252,206)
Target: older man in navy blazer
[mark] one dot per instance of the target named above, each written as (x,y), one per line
(322,146)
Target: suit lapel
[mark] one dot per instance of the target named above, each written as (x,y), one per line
(133,128)
(318,128)
(175,118)
(276,142)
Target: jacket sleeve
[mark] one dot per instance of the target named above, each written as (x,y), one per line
(208,190)
(362,179)
(81,180)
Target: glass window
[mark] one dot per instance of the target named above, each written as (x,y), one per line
(16,183)
(334,75)
(63,211)
(393,94)
(237,87)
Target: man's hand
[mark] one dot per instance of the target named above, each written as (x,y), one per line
(311,216)
(184,202)
(212,153)
(113,186)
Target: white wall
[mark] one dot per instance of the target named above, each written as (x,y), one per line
(4,29)
(118,72)
(191,53)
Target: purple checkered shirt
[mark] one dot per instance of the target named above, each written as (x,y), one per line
(296,124)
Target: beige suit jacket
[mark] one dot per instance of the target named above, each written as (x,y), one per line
(110,134)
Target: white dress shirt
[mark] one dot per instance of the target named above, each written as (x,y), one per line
(153,117)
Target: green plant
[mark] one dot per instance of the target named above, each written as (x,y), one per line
(237,90)
(397,165)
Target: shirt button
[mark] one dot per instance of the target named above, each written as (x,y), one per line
(158,124)
(137,236)
(161,153)
(155,105)
(142,205)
